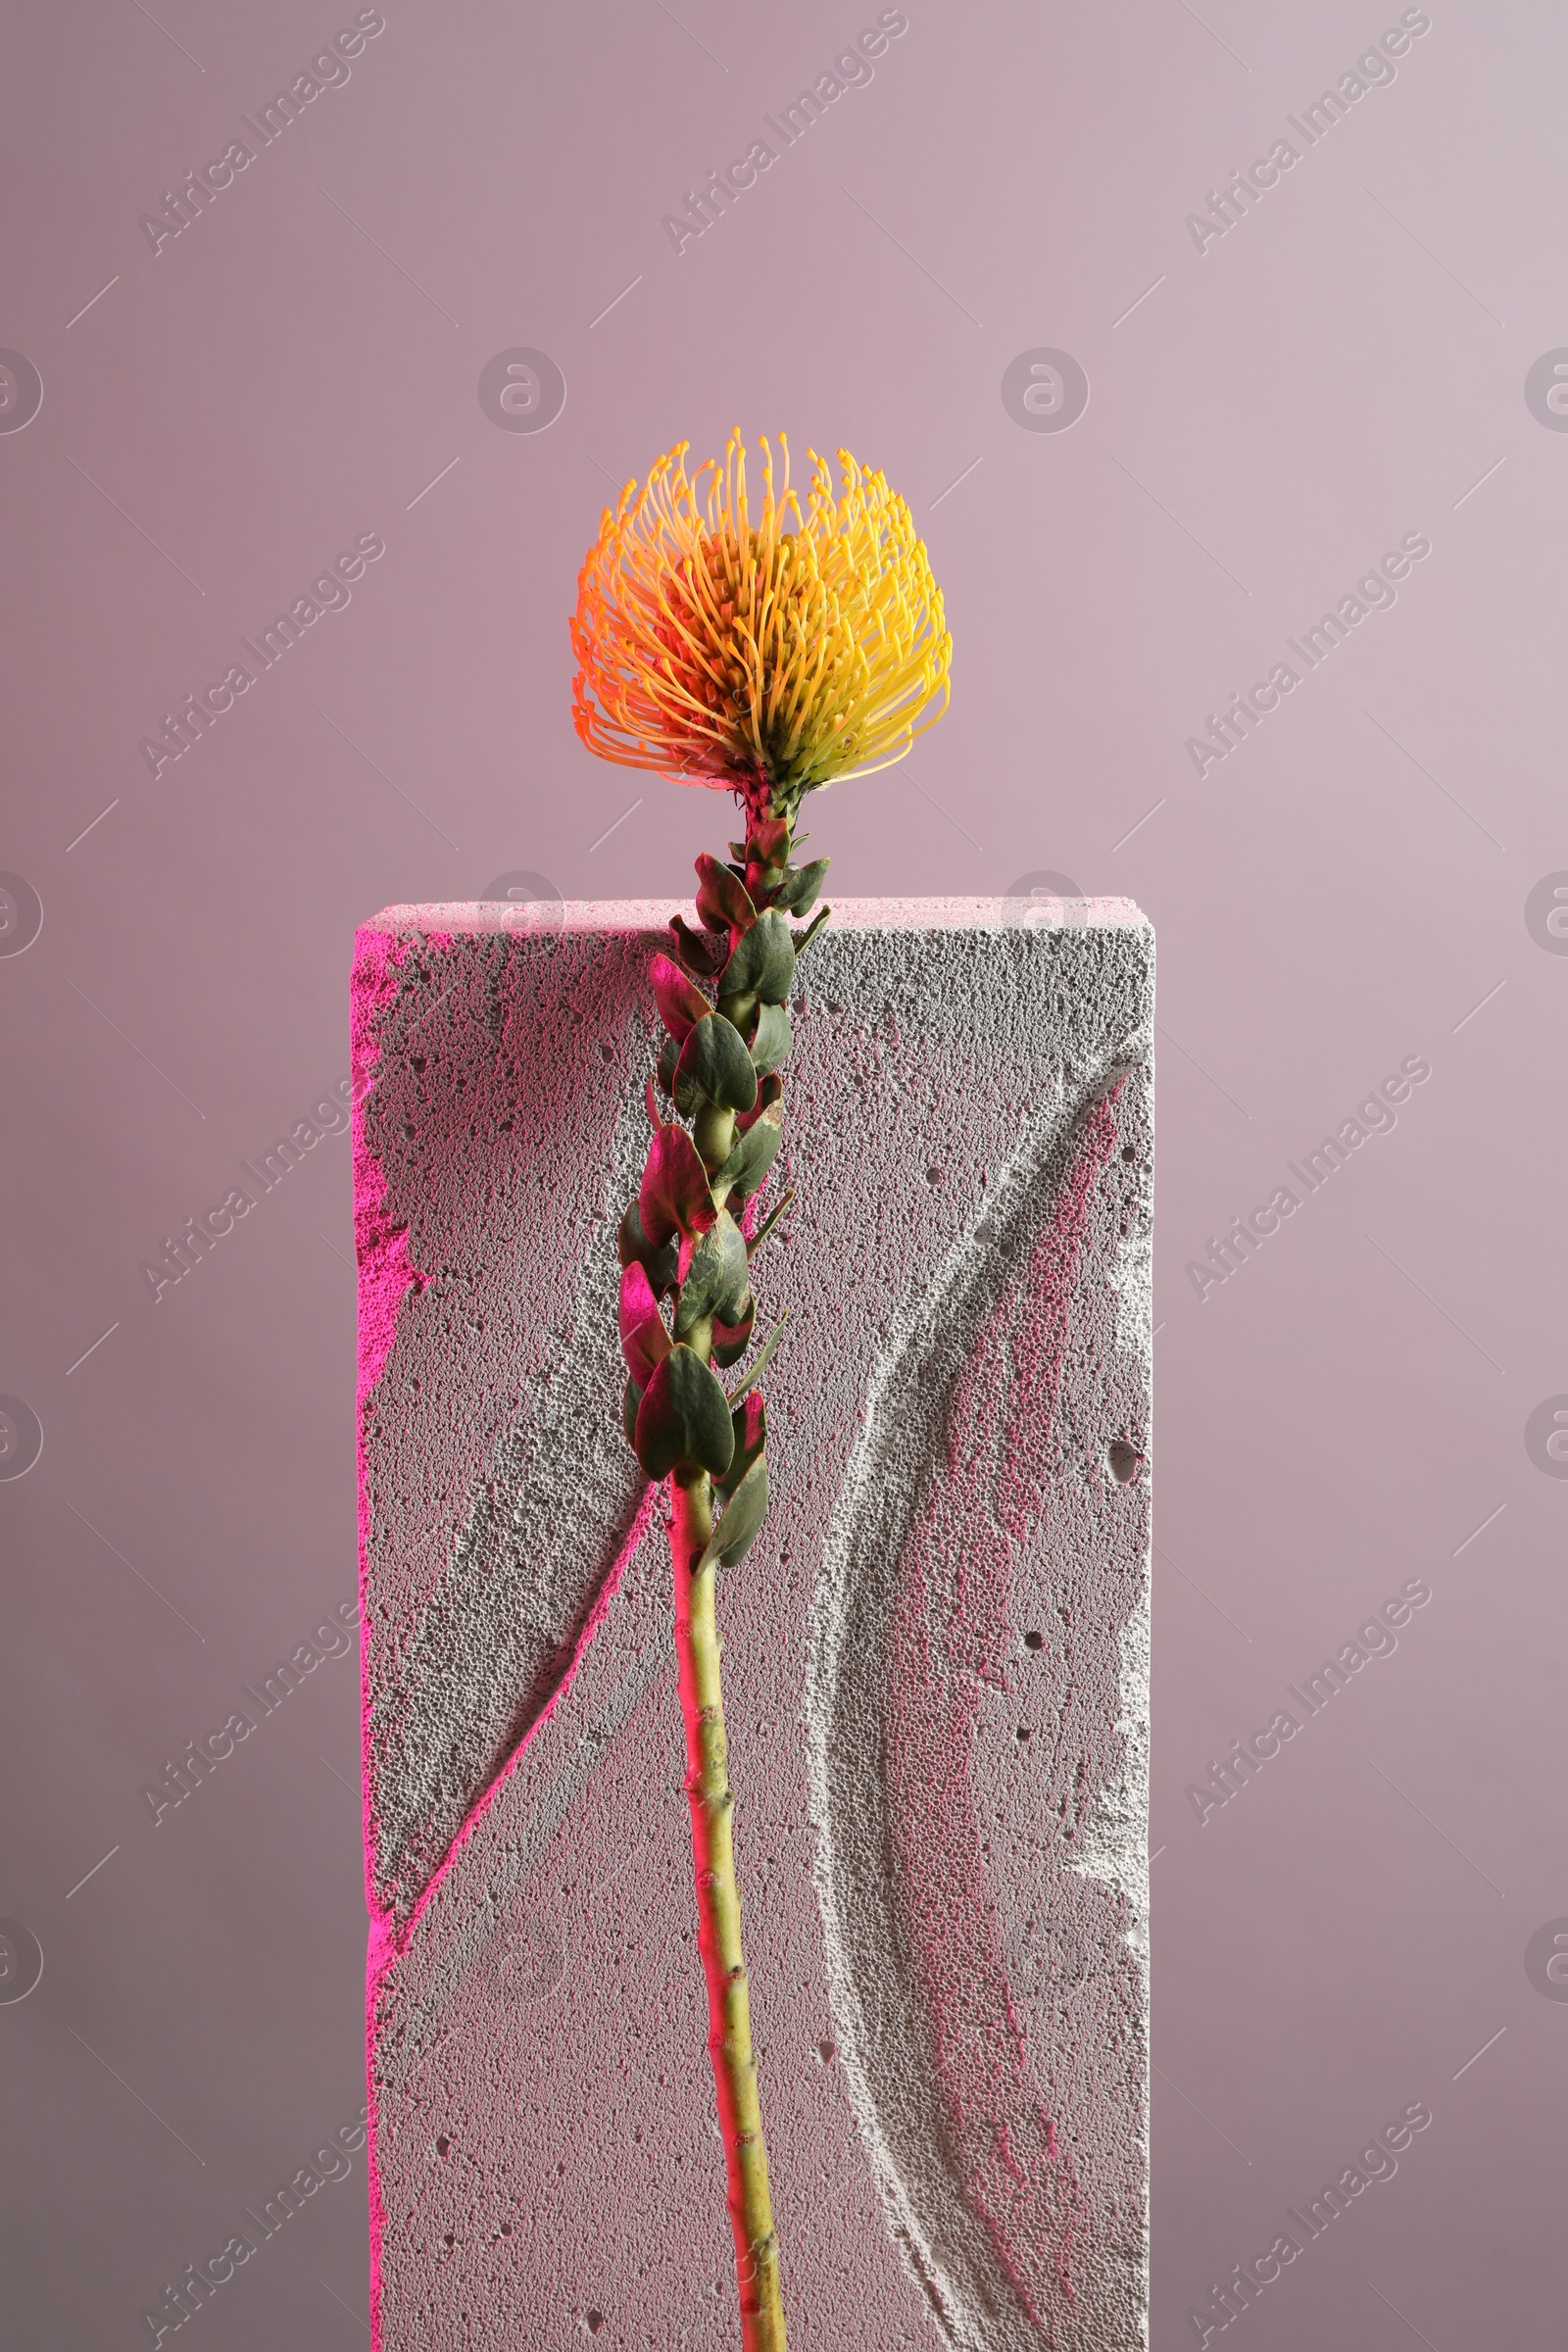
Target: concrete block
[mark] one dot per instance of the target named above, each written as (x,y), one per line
(936,1661)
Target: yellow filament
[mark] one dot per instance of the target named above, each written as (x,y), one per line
(781,649)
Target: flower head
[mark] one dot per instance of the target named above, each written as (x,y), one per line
(769,654)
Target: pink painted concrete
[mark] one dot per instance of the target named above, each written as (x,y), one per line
(952,2032)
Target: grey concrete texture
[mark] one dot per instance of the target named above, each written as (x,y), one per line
(936,1654)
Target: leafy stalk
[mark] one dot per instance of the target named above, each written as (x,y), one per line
(687,1308)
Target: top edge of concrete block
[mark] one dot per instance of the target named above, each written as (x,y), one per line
(485,916)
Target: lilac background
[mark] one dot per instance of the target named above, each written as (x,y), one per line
(1347,888)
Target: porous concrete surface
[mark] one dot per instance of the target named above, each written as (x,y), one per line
(936,1654)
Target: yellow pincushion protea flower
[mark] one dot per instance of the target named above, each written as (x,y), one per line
(742,653)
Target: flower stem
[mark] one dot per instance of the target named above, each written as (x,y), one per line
(718,1910)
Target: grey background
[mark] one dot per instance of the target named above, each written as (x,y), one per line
(1265,418)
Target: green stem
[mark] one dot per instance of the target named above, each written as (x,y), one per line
(718,1911)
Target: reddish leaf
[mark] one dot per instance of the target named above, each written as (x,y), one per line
(661,1266)
(724,902)
(680,1005)
(750,1423)
(644,1339)
(636,1296)
(770,841)
(674,1197)
(768,1092)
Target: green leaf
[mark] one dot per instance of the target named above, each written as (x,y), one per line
(758,1369)
(768,1092)
(668,1055)
(674,1197)
(769,1221)
(802,886)
(771,1039)
(701,954)
(684,1418)
(724,902)
(716,1282)
(713,1062)
(628,1411)
(681,1005)
(731,1340)
(804,939)
(737,1531)
(750,1161)
(763,961)
(662,1267)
